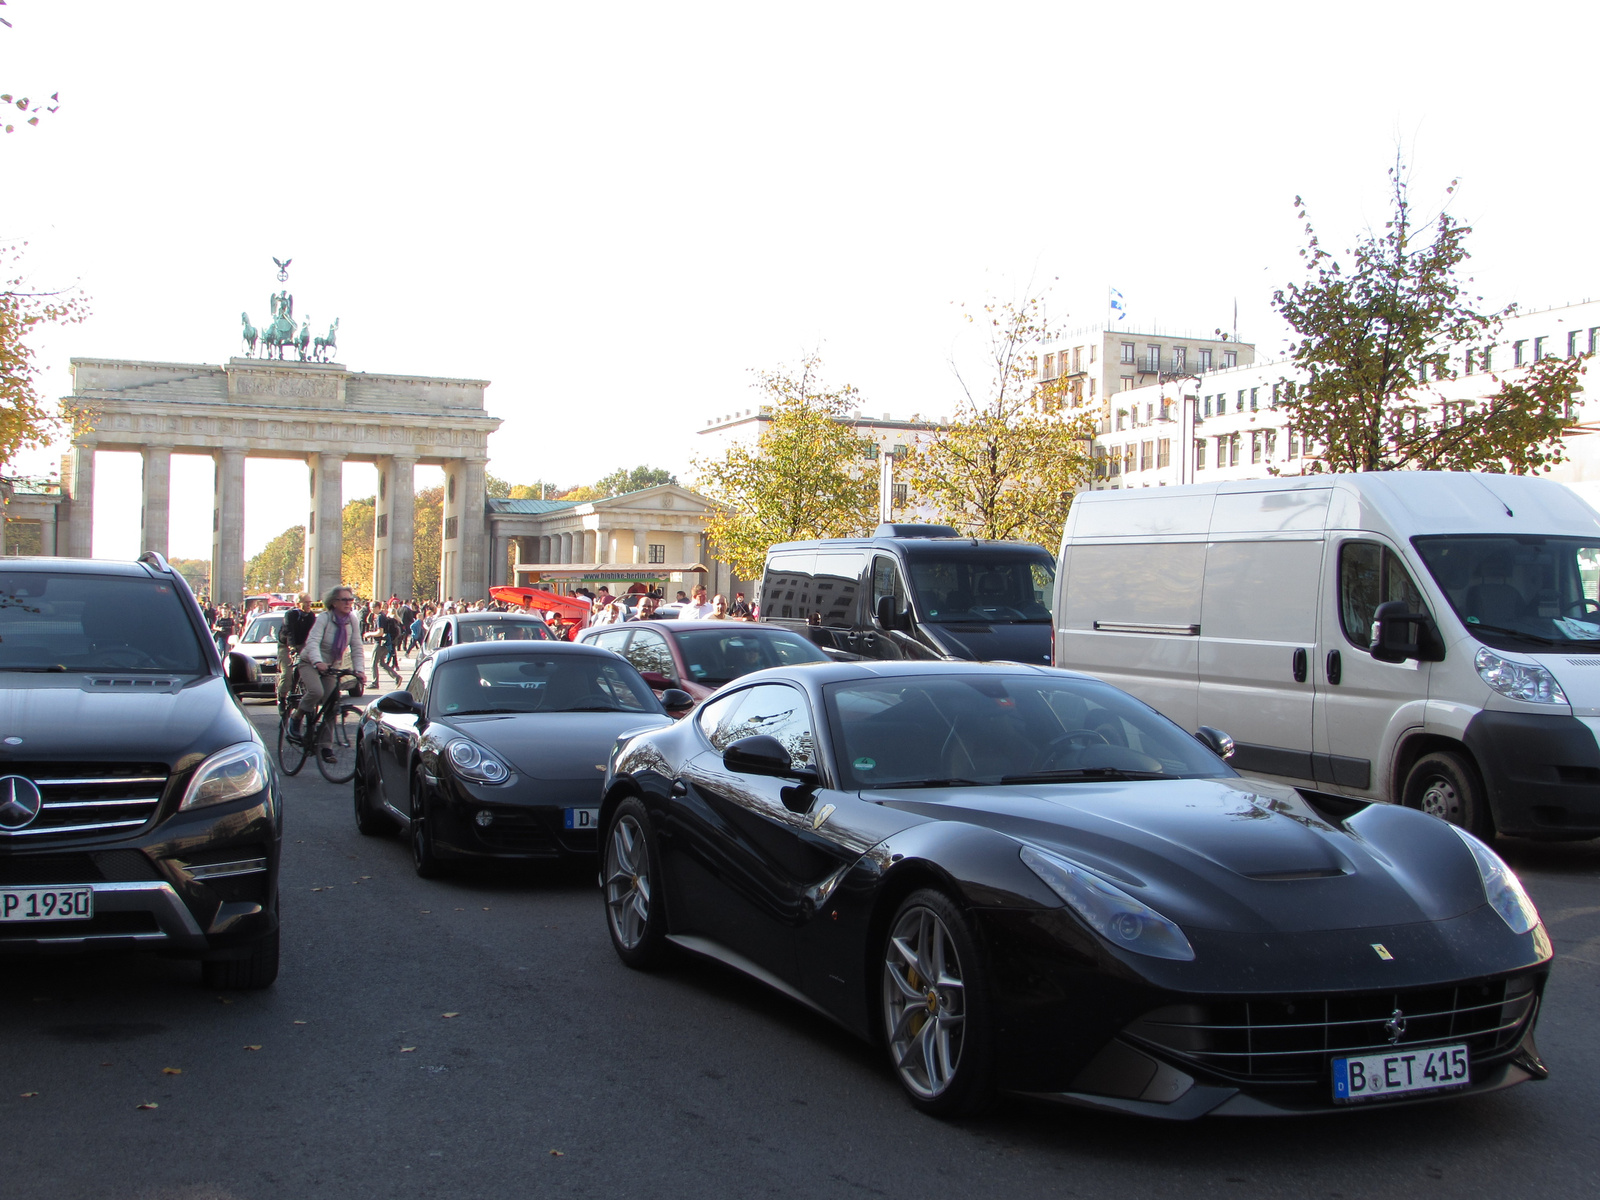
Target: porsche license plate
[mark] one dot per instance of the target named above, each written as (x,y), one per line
(46,904)
(1375,1076)
(582,818)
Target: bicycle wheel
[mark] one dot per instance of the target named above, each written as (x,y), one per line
(341,725)
(291,754)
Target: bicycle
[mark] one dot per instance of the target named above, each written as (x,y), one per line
(338,708)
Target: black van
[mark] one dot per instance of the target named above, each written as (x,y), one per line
(914,592)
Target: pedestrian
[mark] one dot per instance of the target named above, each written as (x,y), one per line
(647,609)
(297,623)
(719,609)
(389,634)
(223,629)
(332,635)
(697,608)
(740,609)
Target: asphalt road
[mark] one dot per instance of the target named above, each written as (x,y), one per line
(479,1038)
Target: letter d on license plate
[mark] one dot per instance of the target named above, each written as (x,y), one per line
(581,818)
(1399,1072)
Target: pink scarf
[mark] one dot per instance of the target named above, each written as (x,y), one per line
(341,635)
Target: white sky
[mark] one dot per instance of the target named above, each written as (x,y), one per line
(615,211)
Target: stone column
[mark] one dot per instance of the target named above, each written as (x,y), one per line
(499,555)
(691,548)
(641,545)
(565,554)
(156,517)
(602,546)
(47,531)
(382,575)
(80,486)
(475,567)
(402,525)
(450,531)
(227,528)
(325,531)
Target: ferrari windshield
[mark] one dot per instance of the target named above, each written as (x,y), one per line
(978,586)
(538,683)
(75,622)
(955,730)
(1520,592)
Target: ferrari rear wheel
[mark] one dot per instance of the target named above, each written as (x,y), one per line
(936,1008)
(630,879)
(1443,784)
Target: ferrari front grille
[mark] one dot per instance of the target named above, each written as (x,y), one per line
(1292,1039)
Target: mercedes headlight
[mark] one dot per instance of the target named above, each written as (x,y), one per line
(472,761)
(1520,681)
(1110,911)
(227,775)
(1501,885)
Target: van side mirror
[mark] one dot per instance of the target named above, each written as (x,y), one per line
(1215,741)
(1399,634)
(890,616)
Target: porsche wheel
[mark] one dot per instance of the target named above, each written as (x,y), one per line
(423,855)
(630,880)
(368,820)
(1445,785)
(935,1007)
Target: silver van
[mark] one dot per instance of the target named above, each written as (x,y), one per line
(1428,638)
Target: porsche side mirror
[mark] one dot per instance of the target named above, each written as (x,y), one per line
(243,673)
(676,700)
(399,704)
(763,754)
(1215,741)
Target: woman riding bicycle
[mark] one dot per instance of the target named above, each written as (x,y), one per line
(334,631)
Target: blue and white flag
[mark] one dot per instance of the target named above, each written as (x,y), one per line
(1117,304)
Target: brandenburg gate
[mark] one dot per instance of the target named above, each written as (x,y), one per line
(314,411)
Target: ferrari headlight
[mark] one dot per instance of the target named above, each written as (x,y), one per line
(1520,681)
(227,775)
(1110,911)
(1501,885)
(472,761)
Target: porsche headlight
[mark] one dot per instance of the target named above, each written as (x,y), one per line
(472,761)
(1528,682)
(1501,885)
(1110,911)
(227,775)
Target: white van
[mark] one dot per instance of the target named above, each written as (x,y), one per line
(1430,638)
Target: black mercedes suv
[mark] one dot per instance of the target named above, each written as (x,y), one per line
(138,806)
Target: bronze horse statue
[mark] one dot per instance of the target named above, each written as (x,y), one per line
(249,334)
(325,346)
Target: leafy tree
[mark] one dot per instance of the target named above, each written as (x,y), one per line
(1376,335)
(355,565)
(196,571)
(622,481)
(27,421)
(807,477)
(1010,462)
(537,490)
(428,530)
(281,565)
(496,488)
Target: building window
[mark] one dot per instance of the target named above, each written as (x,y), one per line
(900,451)
(1205,360)
(1092,382)
(1127,352)
(1271,436)
(1239,404)
(1180,355)
(1127,458)
(1255,445)
(452,527)
(1127,383)
(658,554)
(1233,450)
(1146,455)
(1486,362)
(1294,449)
(1275,395)
(1230,358)
(1093,352)
(900,494)
(311,526)
(383,525)
(1164,453)
(1538,348)
(1049,366)
(1572,351)
(1152,359)
(1199,454)
(1122,419)
(1033,366)
(1254,395)
(1516,353)
(1077,359)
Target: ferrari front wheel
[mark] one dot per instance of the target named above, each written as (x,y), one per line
(936,1018)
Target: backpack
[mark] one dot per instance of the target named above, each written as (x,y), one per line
(296,625)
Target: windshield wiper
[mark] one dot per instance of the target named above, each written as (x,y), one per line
(1532,637)
(486,712)
(53,667)
(1083,773)
(928,783)
(591,708)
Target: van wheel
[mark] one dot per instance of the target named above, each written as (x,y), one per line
(1445,785)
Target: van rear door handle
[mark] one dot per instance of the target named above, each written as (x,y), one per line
(1300,665)
(1335,667)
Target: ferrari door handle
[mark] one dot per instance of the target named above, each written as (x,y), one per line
(680,788)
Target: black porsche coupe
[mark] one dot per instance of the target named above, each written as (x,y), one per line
(496,750)
(1022,879)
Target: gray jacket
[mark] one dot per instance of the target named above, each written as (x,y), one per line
(319,643)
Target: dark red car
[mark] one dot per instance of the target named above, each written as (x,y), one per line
(700,656)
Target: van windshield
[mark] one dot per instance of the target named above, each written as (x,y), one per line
(1520,592)
(1006,591)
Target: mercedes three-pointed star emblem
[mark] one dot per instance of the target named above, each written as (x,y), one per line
(20,802)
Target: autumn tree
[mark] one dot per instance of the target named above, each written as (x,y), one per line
(426,540)
(807,476)
(355,564)
(1011,460)
(281,565)
(27,420)
(620,482)
(1377,333)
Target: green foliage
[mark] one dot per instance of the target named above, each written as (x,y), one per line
(197,571)
(355,563)
(496,488)
(281,565)
(622,481)
(427,535)
(24,538)
(807,477)
(26,421)
(1010,462)
(1374,335)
